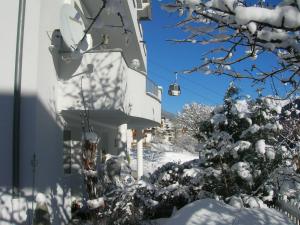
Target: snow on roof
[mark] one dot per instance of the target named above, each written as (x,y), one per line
(212,212)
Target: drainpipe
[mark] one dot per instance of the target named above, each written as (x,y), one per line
(140,138)
(17,101)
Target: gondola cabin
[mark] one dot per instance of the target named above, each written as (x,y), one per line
(174,90)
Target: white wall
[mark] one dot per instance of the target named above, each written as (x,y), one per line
(8,23)
(39,128)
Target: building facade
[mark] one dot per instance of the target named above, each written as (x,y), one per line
(48,93)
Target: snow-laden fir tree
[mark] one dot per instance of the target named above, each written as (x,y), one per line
(243,146)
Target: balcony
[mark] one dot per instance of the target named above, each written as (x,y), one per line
(113,25)
(113,92)
(153,90)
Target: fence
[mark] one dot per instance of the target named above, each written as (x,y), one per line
(289,208)
(152,89)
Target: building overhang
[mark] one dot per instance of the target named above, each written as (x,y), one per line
(122,28)
(144,11)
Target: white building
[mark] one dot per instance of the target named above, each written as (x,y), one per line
(41,101)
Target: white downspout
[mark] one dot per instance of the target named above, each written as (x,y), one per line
(17,101)
(140,139)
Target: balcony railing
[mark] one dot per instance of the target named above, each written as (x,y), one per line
(152,89)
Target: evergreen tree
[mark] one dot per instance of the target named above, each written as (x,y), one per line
(242,148)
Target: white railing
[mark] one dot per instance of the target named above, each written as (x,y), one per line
(289,208)
(152,89)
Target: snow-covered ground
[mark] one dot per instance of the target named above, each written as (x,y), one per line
(160,154)
(212,212)
(205,211)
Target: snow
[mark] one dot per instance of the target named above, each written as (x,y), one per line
(158,155)
(240,108)
(95,203)
(18,212)
(180,157)
(253,129)
(270,154)
(236,202)
(240,146)
(252,27)
(273,126)
(193,172)
(269,35)
(269,197)
(40,198)
(212,212)
(274,104)
(274,17)
(260,146)
(243,170)
(254,202)
(210,171)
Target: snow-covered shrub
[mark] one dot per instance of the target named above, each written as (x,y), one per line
(116,190)
(244,145)
(290,119)
(241,159)
(172,185)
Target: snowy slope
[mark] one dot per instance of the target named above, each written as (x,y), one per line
(212,212)
(159,155)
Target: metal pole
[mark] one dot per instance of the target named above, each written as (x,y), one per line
(17,101)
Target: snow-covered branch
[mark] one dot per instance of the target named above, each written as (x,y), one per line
(246,33)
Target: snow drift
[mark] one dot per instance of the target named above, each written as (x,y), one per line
(212,212)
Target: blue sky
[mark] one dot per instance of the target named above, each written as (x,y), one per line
(165,57)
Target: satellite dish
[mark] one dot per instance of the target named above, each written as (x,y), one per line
(72,28)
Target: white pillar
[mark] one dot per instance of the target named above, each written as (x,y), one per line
(139,137)
(129,139)
(122,138)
